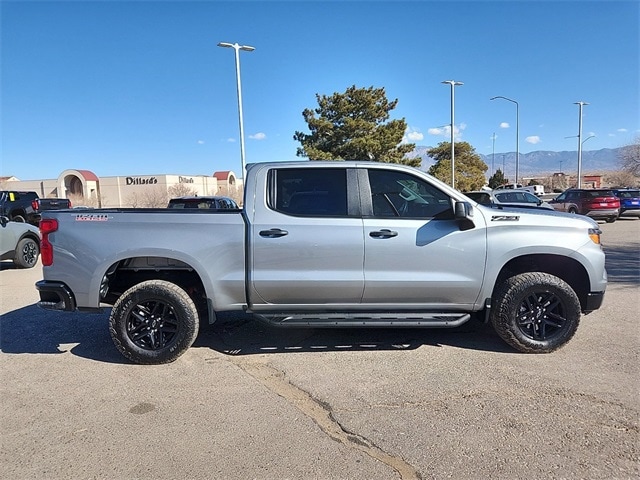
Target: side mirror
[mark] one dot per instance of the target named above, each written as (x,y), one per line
(4,220)
(464,215)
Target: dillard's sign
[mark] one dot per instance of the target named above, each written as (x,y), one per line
(152,180)
(141,181)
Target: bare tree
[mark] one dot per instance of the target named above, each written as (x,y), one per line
(180,190)
(621,178)
(82,201)
(629,158)
(155,197)
(233,192)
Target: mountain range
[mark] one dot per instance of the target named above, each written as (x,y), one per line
(539,162)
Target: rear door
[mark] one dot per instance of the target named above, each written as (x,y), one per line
(306,240)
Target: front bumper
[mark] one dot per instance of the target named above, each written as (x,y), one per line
(594,301)
(55,296)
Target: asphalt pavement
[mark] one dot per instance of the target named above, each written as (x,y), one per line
(251,401)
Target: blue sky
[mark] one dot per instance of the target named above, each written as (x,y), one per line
(124,88)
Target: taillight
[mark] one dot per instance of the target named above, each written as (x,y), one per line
(47,226)
(35,204)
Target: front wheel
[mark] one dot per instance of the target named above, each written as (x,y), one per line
(154,322)
(536,312)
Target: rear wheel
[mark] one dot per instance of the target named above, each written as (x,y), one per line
(573,210)
(536,312)
(154,322)
(27,252)
(611,219)
(18,219)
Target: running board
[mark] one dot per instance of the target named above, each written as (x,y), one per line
(362,319)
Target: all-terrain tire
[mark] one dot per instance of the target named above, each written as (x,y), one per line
(535,312)
(27,252)
(154,322)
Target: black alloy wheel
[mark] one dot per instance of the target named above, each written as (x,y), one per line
(535,312)
(154,322)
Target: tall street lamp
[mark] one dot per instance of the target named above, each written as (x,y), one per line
(237,49)
(580,105)
(453,84)
(517,131)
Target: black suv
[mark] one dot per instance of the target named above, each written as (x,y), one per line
(20,206)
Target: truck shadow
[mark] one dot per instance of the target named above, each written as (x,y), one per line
(237,335)
(31,330)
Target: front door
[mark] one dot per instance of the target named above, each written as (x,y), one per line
(415,252)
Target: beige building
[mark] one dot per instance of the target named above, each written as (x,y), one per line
(85,188)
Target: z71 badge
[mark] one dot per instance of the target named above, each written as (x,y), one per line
(505,218)
(92,217)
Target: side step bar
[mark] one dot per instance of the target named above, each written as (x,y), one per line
(363,319)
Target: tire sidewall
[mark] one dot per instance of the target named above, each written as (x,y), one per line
(505,317)
(24,244)
(154,290)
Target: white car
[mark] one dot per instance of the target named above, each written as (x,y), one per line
(19,242)
(508,198)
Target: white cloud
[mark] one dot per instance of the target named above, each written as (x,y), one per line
(231,140)
(445,131)
(200,142)
(258,136)
(504,125)
(412,135)
(622,130)
(534,139)
(439,131)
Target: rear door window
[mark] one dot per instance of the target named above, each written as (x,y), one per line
(309,192)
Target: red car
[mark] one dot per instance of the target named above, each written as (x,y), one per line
(599,204)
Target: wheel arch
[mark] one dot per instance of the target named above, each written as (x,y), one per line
(568,269)
(127,272)
(33,236)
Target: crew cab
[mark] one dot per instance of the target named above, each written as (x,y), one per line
(325,244)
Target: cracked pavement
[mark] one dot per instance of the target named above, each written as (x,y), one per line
(251,401)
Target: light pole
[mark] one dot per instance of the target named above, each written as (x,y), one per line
(517,131)
(453,84)
(237,49)
(580,105)
(493,153)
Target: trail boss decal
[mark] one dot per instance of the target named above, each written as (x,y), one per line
(92,217)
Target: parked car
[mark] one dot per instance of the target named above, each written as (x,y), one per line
(599,204)
(19,242)
(508,198)
(209,203)
(534,189)
(629,201)
(509,186)
(28,206)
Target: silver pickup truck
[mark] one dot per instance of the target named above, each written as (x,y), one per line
(326,244)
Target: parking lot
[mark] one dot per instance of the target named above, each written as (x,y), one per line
(250,401)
